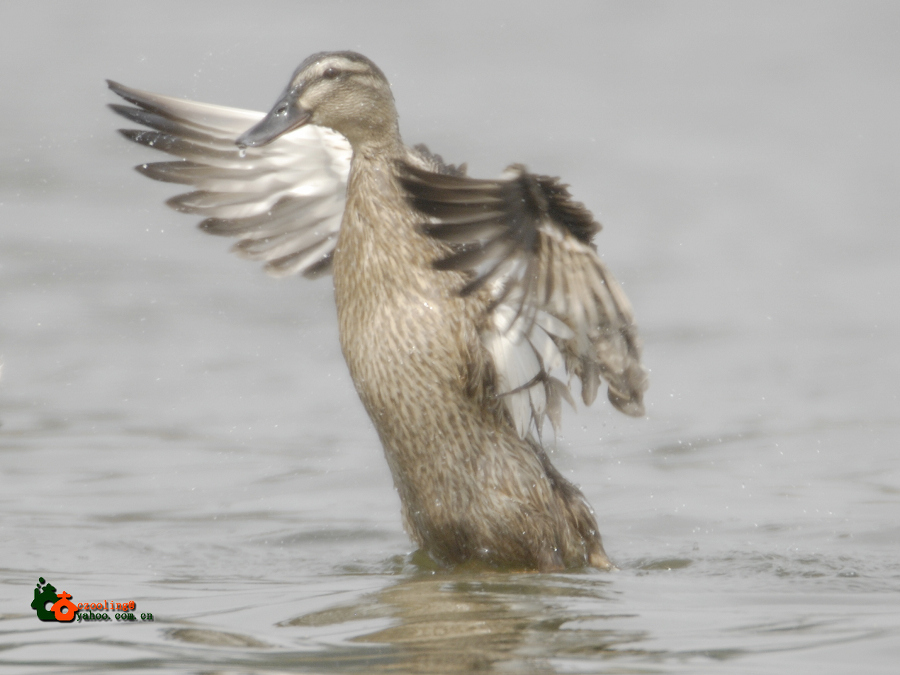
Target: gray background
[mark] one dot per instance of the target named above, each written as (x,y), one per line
(180,430)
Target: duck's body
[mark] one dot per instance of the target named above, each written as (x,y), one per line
(449,337)
(470,486)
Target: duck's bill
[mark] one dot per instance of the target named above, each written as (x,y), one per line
(284,117)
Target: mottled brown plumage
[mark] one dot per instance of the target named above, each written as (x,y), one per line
(456,300)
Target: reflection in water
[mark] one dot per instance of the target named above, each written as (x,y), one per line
(464,622)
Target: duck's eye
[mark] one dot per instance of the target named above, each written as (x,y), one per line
(331,73)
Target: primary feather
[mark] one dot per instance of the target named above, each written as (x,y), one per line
(555,303)
(283,202)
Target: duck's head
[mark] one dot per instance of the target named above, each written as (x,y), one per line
(343,91)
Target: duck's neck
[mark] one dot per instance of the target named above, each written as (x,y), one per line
(378,220)
(373,131)
(378,147)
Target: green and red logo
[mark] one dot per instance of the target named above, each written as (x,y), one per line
(53,606)
(62,607)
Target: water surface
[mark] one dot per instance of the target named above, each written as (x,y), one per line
(180,430)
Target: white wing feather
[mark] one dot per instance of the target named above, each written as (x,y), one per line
(283,202)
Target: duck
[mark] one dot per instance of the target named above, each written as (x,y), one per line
(467,307)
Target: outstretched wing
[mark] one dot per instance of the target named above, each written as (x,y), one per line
(283,201)
(556,309)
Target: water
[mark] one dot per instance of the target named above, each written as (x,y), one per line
(179,430)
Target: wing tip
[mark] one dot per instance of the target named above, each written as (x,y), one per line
(630,401)
(631,406)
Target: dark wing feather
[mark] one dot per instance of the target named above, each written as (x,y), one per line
(554,302)
(284,202)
